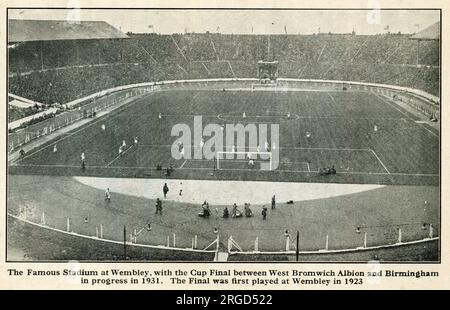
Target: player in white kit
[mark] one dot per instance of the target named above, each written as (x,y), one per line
(308,136)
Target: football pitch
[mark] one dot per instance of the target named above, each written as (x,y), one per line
(366,137)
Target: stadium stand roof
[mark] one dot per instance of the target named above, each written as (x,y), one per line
(430,33)
(21,30)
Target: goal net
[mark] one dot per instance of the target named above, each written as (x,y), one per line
(240,160)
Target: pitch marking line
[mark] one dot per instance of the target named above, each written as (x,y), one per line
(379,160)
(294,117)
(407,116)
(331,97)
(118,156)
(281,147)
(230,169)
(195,96)
(182,165)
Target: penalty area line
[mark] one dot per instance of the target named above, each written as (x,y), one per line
(379,160)
(118,156)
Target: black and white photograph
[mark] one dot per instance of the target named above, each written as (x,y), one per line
(223,135)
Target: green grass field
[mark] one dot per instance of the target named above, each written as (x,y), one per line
(401,151)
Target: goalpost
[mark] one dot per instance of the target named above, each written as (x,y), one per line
(267,75)
(221,156)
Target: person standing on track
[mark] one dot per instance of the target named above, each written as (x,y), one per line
(264,212)
(273,202)
(107,195)
(158,206)
(165,190)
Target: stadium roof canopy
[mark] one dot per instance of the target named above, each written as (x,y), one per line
(21,30)
(430,33)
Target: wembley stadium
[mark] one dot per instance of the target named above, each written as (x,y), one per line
(354,174)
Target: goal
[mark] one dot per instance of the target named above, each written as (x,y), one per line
(239,160)
(267,71)
(267,76)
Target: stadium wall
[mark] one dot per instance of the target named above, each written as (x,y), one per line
(426,103)
(424,249)
(62,245)
(420,250)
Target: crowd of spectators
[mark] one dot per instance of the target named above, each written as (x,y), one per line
(62,71)
(15,113)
